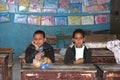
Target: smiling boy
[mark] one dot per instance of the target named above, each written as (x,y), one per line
(39,48)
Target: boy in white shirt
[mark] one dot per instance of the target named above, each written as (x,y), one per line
(78,53)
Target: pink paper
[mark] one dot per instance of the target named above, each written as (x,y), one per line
(10,1)
(101,19)
(47,21)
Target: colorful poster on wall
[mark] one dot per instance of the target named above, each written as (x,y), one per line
(75,8)
(50,3)
(60,21)
(20,18)
(90,2)
(34,20)
(97,8)
(101,7)
(102,1)
(23,9)
(24,3)
(4,17)
(47,20)
(74,20)
(101,19)
(87,20)
(10,1)
(34,7)
(64,3)
(3,7)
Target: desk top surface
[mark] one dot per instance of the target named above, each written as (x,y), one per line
(101,53)
(62,67)
(109,67)
(3,55)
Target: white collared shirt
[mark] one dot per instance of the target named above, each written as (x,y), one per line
(79,52)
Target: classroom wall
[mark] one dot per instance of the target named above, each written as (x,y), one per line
(18,36)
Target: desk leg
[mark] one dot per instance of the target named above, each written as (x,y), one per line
(4,63)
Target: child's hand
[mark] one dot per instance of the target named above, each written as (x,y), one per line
(37,63)
(36,46)
(79,61)
(39,55)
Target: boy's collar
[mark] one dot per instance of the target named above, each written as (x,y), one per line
(74,45)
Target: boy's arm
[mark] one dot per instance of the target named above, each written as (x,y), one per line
(30,53)
(68,57)
(49,52)
(88,56)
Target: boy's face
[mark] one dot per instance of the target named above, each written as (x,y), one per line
(39,39)
(78,40)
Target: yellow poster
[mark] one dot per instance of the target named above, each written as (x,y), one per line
(74,20)
(3,7)
(24,2)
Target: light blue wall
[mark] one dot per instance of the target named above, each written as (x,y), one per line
(18,36)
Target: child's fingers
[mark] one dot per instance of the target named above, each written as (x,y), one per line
(33,42)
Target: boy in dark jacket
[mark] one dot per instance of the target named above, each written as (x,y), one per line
(39,48)
(77,53)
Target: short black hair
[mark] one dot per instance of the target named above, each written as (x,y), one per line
(39,32)
(78,31)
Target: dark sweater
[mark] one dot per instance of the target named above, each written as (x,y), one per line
(30,52)
(70,55)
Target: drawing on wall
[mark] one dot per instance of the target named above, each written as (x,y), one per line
(87,20)
(34,20)
(4,17)
(101,19)
(3,7)
(20,18)
(60,21)
(74,20)
(47,20)
(10,1)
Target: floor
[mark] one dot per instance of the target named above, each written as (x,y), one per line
(16,69)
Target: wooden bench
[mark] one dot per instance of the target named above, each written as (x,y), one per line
(4,66)
(100,37)
(102,56)
(9,51)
